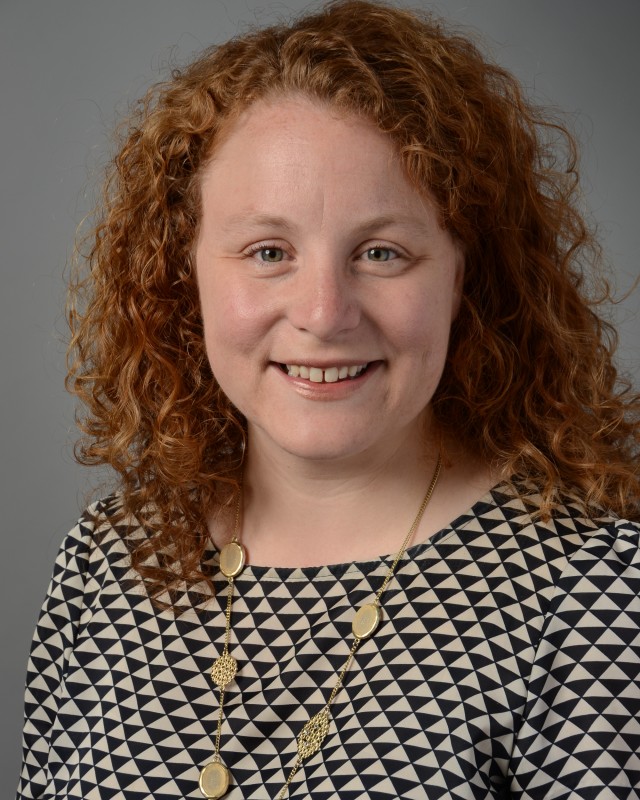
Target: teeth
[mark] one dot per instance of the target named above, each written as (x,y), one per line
(319,375)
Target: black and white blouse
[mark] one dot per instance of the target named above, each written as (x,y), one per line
(507,665)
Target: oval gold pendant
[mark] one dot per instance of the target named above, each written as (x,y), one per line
(214,780)
(366,621)
(224,670)
(232,559)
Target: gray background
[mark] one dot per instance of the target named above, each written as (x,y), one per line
(67,68)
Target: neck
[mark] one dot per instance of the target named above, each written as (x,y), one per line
(301,513)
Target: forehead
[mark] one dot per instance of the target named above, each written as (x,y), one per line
(297,139)
(269,124)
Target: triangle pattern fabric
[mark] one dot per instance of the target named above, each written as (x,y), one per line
(507,665)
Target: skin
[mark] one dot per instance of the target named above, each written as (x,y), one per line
(314,250)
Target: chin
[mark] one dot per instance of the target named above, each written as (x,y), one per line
(321,444)
(324,451)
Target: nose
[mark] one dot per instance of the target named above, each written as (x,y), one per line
(325,299)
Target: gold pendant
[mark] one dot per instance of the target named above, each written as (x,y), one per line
(224,670)
(232,559)
(313,734)
(366,621)
(214,780)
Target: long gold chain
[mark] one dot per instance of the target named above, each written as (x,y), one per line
(214,776)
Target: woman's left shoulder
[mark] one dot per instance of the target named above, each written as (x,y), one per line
(569,552)
(611,548)
(581,721)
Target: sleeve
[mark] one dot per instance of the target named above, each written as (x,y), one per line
(50,651)
(580,736)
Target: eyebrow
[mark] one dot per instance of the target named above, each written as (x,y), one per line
(390,220)
(239,222)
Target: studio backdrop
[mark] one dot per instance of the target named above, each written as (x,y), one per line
(70,68)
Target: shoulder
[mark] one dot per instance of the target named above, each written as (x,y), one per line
(602,546)
(602,576)
(613,542)
(567,553)
(100,542)
(106,521)
(569,530)
(93,567)
(580,724)
(593,564)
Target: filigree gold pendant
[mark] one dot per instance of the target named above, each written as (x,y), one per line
(224,670)
(214,780)
(313,734)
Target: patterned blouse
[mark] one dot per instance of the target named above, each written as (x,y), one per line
(507,665)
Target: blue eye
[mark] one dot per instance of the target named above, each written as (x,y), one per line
(380,254)
(270,255)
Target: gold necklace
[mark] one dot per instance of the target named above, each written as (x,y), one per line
(214,776)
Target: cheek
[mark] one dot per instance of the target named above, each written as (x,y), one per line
(233,317)
(422,323)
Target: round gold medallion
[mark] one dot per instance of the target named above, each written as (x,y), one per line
(366,621)
(214,780)
(232,559)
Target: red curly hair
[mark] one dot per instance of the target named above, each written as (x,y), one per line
(530,381)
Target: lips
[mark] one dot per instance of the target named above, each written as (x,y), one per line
(323,374)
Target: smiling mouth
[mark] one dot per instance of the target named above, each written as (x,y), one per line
(324,375)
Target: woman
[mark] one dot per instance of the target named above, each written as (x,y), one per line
(338,306)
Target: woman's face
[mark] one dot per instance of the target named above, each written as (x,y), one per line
(327,285)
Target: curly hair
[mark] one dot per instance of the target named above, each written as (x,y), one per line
(530,381)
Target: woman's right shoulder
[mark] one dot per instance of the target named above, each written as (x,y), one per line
(93,566)
(107,519)
(103,538)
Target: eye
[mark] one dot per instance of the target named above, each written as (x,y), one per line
(379,254)
(383,259)
(270,255)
